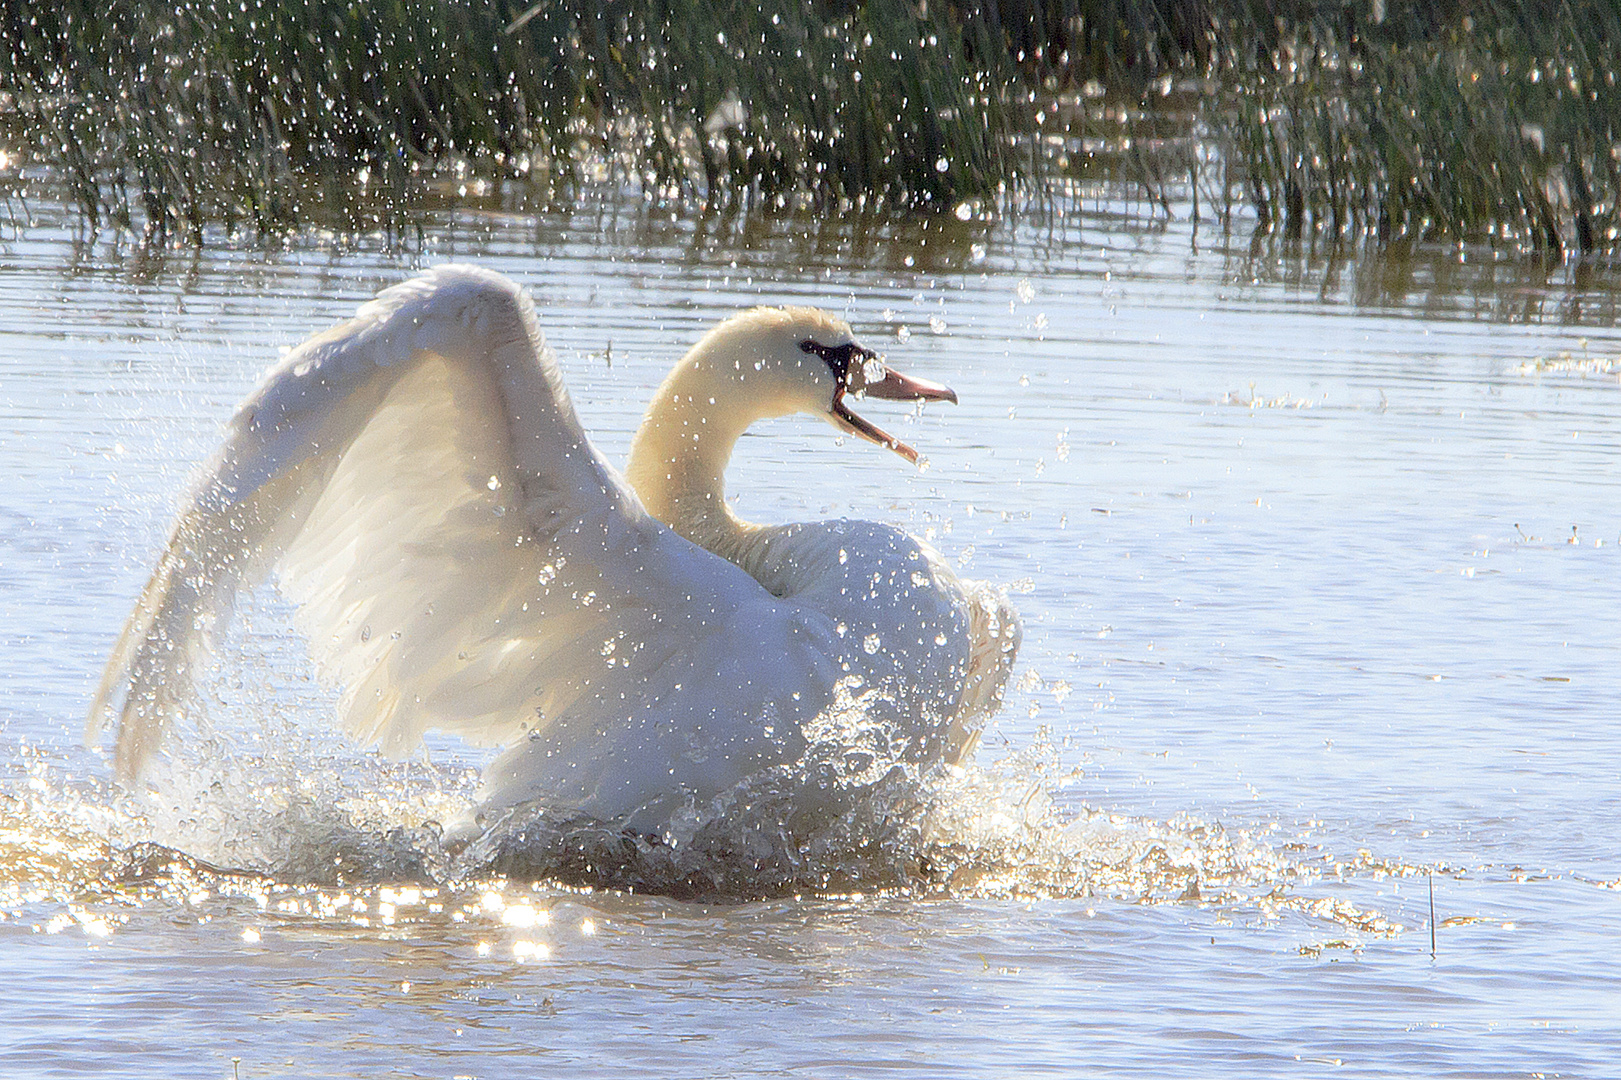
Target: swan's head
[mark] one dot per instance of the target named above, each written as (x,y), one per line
(806,360)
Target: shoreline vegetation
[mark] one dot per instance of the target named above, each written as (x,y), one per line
(1337,123)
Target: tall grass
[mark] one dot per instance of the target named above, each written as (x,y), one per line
(1344,119)
(1460,120)
(172,115)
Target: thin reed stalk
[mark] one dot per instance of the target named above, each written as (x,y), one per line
(1345,120)
(176,114)
(1458,121)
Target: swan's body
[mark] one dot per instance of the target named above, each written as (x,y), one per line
(463,559)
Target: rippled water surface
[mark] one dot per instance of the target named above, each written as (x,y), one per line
(1320,566)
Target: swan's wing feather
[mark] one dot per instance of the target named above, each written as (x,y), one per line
(460,556)
(253,492)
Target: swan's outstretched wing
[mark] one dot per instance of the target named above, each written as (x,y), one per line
(461,557)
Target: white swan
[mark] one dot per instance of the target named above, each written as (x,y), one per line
(463,559)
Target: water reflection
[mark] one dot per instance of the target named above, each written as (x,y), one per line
(1436,280)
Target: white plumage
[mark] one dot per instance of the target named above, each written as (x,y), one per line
(463,559)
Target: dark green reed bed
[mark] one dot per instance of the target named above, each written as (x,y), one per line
(1336,120)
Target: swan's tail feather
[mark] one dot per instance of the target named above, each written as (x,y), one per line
(995,633)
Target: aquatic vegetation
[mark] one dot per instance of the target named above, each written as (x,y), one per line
(1464,122)
(1455,121)
(174,116)
(1568,364)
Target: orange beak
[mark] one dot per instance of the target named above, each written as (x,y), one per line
(891,385)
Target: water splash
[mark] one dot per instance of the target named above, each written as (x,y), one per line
(250,803)
(324,834)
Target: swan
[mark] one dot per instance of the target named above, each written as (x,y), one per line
(461,558)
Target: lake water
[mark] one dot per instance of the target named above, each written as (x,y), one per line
(1320,566)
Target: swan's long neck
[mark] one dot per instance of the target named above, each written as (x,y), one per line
(679,456)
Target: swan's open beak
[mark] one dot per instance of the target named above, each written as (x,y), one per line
(891,385)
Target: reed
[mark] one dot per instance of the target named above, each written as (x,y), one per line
(1463,121)
(173,115)
(1340,119)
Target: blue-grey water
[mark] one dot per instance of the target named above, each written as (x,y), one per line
(1320,567)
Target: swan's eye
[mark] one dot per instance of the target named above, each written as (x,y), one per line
(837,357)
